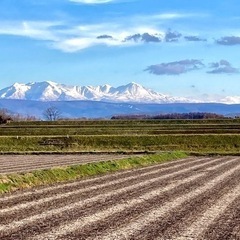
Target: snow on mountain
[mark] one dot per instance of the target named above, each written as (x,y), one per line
(231,100)
(132,92)
(51,91)
(16,91)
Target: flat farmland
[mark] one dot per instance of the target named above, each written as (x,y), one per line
(26,163)
(191,198)
(204,136)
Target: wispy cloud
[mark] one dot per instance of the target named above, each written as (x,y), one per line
(159,19)
(170,15)
(71,36)
(68,38)
(165,16)
(85,36)
(94,1)
(175,68)
(38,30)
(77,44)
(222,67)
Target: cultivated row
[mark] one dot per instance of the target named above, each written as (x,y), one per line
(193,198)
(25,163)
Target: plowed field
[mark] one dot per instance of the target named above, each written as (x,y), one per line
(26,163)
(193,198)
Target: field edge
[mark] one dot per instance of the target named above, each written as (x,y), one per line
(18,181)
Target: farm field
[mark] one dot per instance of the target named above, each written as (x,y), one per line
(204,136)
(27,163)
(191,198)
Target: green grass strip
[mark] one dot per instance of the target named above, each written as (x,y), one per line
(17,181)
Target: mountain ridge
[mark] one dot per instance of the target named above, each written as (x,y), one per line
(130,93)
(51,91)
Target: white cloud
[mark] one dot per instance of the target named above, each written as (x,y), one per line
(74,44)
(99,1)
(92,1)
(71,37)
(169,16)
(163,17)
(77,44)
(85,36)
(75,38)
(36,30)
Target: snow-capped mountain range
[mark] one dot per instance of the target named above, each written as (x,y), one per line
(131,93)
(51,91)
(33,99)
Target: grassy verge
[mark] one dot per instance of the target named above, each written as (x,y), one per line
(12,182)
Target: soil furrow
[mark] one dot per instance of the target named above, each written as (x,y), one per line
(50,161)
(227,226)
(56,215)
(25,165)
(136,211)
(40,166)
(46,158)
(100,215)
(36,194)
(111,176)
(91,191)
(25,162)
(203,222)
(27,210)
(9,161)
(176,223)
(136,225)
(68,208)
(19,158)
(113,192)
(136,204)
(40,223)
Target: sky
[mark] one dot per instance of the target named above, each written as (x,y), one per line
(187,48)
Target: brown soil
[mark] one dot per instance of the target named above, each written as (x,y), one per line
(157,202)
(26,163)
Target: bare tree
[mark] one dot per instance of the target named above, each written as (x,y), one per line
(5,113)
(52,114)
(5,116)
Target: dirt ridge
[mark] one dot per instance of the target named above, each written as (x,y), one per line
(136,204)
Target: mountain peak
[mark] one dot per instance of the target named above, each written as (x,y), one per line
(134,84)
(50,83)
(17,85)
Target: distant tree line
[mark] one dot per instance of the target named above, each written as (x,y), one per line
(4,120)
(6,116)
(191,115)
(50,114)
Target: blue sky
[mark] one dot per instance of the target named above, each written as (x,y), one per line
(184,48)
